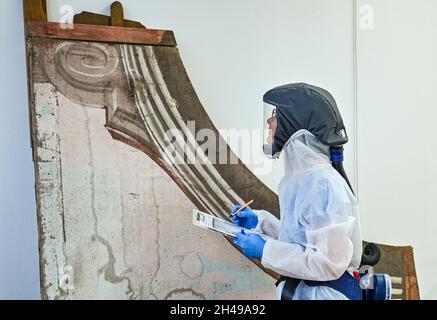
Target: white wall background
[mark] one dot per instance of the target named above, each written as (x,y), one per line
(234,51)
(397,111)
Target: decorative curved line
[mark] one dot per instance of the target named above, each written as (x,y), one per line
(210,176)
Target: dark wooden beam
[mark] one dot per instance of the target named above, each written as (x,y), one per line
(116,19)
(86,32)
(35,10)
(86,17)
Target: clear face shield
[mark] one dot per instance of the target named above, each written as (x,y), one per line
(270,123)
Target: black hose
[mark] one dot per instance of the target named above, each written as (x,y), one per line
(337,159)
(340,169)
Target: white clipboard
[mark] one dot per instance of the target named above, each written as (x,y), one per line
(210,222)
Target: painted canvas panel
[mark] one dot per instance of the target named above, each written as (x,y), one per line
(113,224)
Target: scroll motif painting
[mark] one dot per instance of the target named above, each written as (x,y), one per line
(113,222)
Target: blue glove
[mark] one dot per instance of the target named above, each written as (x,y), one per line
(245,218)
(252,245)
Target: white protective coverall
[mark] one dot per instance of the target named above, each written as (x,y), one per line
(319,235)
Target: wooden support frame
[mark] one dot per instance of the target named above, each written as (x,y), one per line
(96,28)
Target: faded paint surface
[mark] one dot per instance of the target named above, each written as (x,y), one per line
(121,224)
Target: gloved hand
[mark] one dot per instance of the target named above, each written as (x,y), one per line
(252,245)
(245,218)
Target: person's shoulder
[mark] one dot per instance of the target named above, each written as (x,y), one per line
(324,176)
(331,182)
(316,184)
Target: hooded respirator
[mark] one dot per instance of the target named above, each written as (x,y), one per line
(302,106)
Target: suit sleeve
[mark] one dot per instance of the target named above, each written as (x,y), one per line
(268,224)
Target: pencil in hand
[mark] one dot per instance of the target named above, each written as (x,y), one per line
(242,208)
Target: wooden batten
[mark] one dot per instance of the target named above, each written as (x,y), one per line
(86,32)
(411,285)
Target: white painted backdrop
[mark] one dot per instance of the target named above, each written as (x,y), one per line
(234,51)
(397,147)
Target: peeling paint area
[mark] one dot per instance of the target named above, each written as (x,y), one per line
(119,222)
(48,168)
